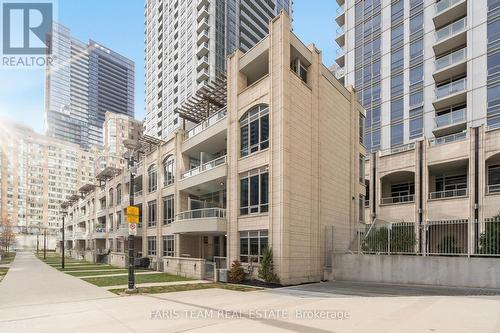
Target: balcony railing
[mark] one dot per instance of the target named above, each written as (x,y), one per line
(137,193)
(340,30)
(398,199)
(398,149)
(451,88)
(448,139)
(451,29)
(201,214)
(494,188)
(444,5)
(451,118)
(100,229)
(340,52)
(461,192)
(204,167)
(213,119)
(340,10)
(450,59)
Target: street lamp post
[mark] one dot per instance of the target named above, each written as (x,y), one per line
(63,212)
(45,243)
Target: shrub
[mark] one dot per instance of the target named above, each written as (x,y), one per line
(489,240)
(236,273)
(266,269)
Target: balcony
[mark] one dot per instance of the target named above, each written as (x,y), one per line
(451,122)
(340,2)
(122,230)
(203,13)
(448,11)
(99,232)
(203,75)
(451,37)
(203,37)
(200,221)
(448,139)
(202,63)
(398,199)
(212,120)
(208,177)
(202,3)
(398,149)
(451,65)
(202,50)
(340,36)
(340,56)
(80,234)
(452,93)
(202,25)
(456,193)
(340,15)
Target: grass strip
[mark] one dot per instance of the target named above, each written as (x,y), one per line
(188,287)
(3,272)
(7,258)
(107,272)
(119,280)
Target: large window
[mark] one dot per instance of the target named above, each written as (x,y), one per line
(451,183)
(254,191)
(168,209)
(168,246)
(110,197)
(252,245)
(151,245)
(254,130)
(168,170)
(397,109)
(118,194)
(152,178)
(152,213)
(397,134)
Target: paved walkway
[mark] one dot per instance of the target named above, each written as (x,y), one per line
(37,298)
(159,284)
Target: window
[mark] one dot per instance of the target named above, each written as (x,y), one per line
(397,134)
(397,10)
(168,209)
(493,105)
(416,74)
(397,35)
(397,85)
(376,115)
(361,128)
(361,169)
(140,214)
(397,59)
(168,246)
(400,192)
(119,218)
(361,208)
(416,127)
(416,99)
(416,23)
(168,170)
(397,109)
(254,191)
(451,183)
(252,245)
(152,213)
(300,69)
(151,245)
(416,49)
(254,130)
(110,197)
(152,178)
(118,194)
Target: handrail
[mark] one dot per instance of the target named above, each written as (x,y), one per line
(212,120)
(445,4)
(460,192)
(448,138)
(451,29)
(201,213)
(450,118)
(204,167)
(452,58)
(451,88)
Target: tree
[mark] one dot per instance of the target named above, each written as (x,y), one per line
(7,236)
(266,269)
(489,240)
(236,273)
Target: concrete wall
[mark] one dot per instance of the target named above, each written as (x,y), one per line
(117,259)
(441,271)
(188,267)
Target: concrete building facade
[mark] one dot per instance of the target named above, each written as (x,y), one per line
(272,162)
(186,44)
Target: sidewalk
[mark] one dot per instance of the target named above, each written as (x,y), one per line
(30,281)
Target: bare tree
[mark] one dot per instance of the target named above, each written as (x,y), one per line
(7,236)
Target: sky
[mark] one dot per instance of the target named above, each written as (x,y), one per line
(119,25)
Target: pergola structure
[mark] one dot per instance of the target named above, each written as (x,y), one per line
(205,102)
(107,174)
(86,189)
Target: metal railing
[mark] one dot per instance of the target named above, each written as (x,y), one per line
(340,52)
(494,188)
(340,30)
(456,193)
(451,88)
(100,229)
(451,29)
(452,58)
(432,238)
(201,214)
(448,138)
(213,119)
(450,118)
(204,167)
(340,10)
(398,199)
(445,4)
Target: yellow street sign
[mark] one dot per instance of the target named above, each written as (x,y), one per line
(132,214)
